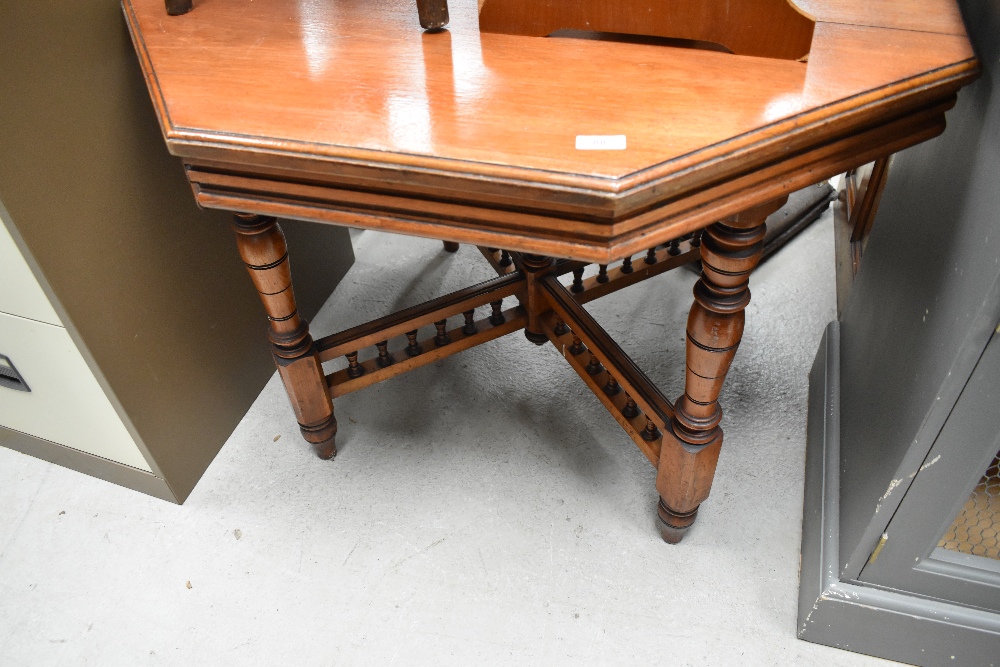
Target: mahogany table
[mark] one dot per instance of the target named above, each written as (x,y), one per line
(344,112)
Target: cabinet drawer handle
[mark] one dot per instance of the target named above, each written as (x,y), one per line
(9,377)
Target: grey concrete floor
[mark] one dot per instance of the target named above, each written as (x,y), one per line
(483,510)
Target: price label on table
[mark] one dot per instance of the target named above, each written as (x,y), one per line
(600,142)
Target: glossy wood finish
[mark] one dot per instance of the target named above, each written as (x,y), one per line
(357,112)
(470,137)
(730,250)
(263,250)
(766,28)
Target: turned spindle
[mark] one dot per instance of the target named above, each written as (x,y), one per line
(470,325)
(650,256)
(650,433)
(384,359)
(675,247)
(433,14)
(602,274)
(594,366)
(577,346)
(560,329)
(611,388)
(536,268)
(577,280)
(497,318)
(631,410)
(505,259)
(627,265)
(354,369)
(442,337)
(413,348)
(262,247)
(730,249)
(696,239)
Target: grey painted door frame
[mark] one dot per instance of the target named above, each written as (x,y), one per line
(854,616)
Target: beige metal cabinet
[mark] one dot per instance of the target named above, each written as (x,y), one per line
(125,308)
(50,392)
(71,391)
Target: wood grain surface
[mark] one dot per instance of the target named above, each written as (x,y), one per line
(345,112)
(350,79)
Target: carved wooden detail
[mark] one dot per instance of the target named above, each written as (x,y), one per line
(262,247)
(730,250)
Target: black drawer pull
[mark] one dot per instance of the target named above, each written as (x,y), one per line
(9,377)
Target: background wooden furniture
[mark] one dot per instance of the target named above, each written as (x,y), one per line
(767,28)
(467,136)
(853,220)
(121,304)
(903,405)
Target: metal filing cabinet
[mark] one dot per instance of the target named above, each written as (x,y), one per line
(46,388)
(123,307)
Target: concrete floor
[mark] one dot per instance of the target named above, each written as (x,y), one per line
(482,510)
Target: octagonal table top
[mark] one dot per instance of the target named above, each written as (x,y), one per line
(352,94)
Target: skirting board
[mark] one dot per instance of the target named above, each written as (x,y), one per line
(850,615)
(88,464)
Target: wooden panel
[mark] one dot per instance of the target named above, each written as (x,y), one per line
(767,28)
(560,237)
(941,16)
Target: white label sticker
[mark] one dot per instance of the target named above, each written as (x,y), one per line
(600,142)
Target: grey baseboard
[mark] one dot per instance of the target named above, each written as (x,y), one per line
(88,464)
(850,615)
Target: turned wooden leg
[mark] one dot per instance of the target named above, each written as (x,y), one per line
(450,246)
(535,267)
(730,250)
(178,7)
(262,247)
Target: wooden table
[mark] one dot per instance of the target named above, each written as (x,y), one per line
(344,112)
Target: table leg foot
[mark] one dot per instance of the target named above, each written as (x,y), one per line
(536,338)
(673,526)
(450,246)
(322,438)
